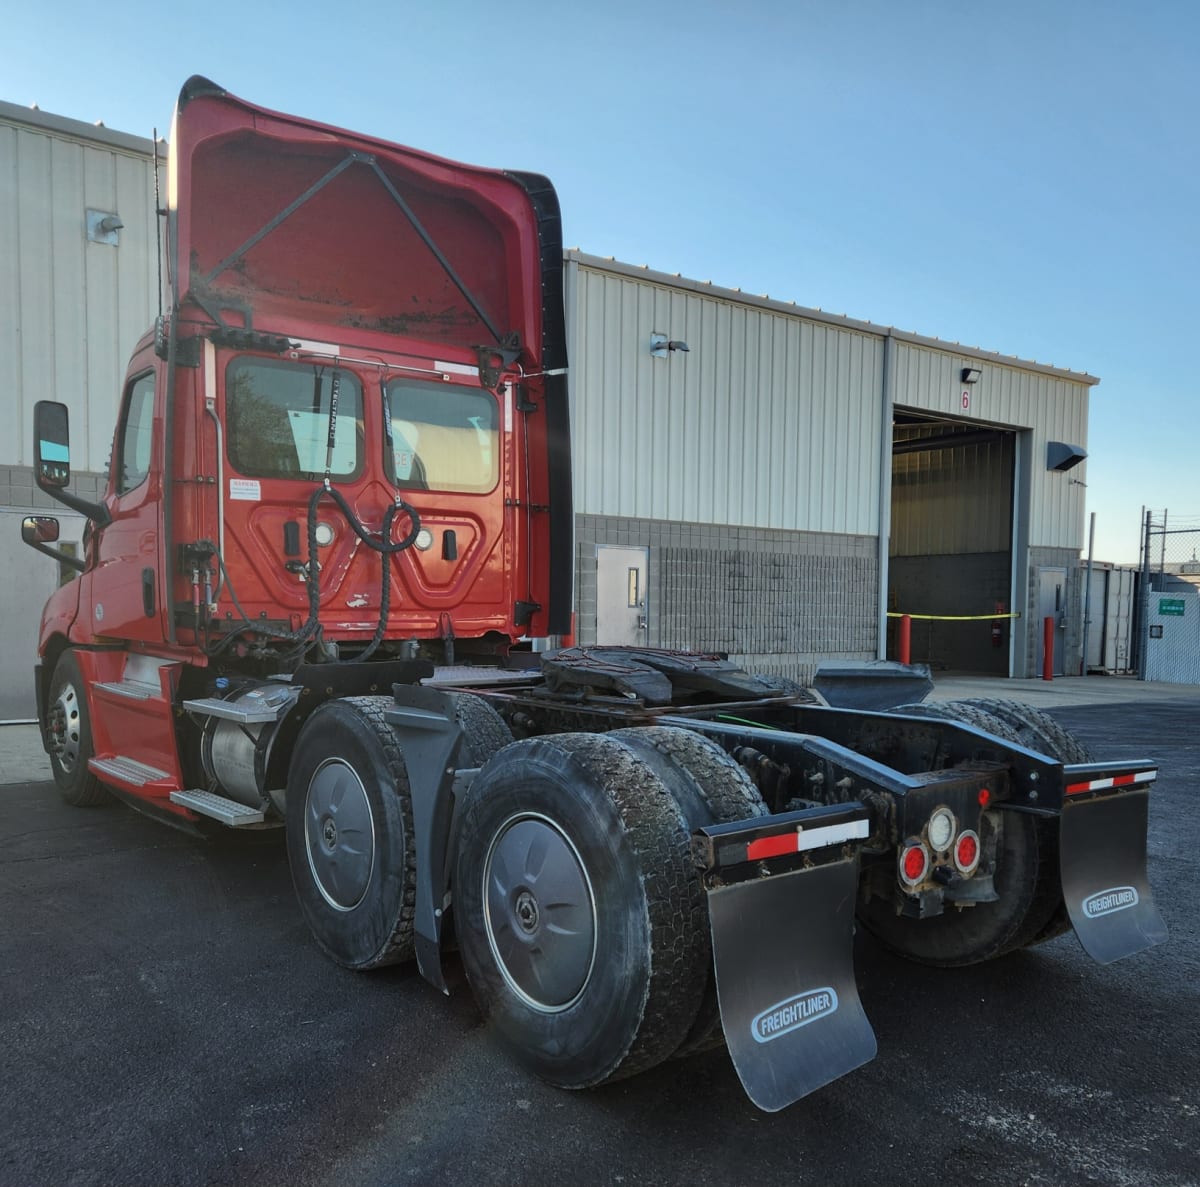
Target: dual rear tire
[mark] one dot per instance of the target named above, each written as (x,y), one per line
(582,919)
(349,825)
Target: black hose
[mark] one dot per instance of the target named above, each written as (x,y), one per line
(383,544)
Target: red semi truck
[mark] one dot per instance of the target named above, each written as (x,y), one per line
(343,457)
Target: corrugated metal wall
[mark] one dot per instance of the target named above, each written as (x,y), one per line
(931,516)
(769,420)
(71,310)
(1052,408)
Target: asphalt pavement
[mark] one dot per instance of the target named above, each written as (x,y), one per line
(165,1018)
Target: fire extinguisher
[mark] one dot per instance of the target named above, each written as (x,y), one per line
(998,627)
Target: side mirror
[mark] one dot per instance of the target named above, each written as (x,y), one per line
(52,465)
(52,444)
(39,529)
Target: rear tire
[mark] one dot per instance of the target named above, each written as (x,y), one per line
(484,731)
(1039,731)
(1026,880)
(580,919)
(71,729)
(710,788)
(350,834)
(1035,730)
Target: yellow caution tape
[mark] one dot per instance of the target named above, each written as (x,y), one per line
(952,617)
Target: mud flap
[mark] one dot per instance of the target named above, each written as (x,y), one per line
(1102,858)
(783,953)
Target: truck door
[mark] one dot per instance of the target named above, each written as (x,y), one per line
(125,593)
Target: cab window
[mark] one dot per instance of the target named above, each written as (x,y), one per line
(277,417)
(131,466)
(442,437)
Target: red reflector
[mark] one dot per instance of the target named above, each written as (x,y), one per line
(968,851)
(914,863)
(771,847)
(985,797)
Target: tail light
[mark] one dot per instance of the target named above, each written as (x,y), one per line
(914,864)
(966,851)
(940,830)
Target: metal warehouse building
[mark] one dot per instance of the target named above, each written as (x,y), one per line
(771,491)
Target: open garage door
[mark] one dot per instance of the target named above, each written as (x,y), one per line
(951,548)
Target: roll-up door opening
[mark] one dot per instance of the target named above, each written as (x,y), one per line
(950,560)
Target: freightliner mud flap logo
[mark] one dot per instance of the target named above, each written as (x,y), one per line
(794,1012)
(1105,902)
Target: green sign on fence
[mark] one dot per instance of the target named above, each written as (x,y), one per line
(1171,606)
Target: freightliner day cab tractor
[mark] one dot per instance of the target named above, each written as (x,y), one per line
(343,456)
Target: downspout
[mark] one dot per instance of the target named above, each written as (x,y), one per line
(885,484)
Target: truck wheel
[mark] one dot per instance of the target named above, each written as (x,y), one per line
(1026,880)
(484,730)
(1039,731)
(70,729)
(580,920)
(710,788)
(350,834)
(1035,730)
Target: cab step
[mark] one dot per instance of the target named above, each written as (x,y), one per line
(127,772)
(219,807)
(135,690)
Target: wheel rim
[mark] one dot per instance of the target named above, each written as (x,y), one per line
(339,833)
(539,912)
(67,726)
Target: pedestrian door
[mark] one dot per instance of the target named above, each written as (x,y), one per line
(621,595)
(1052,603)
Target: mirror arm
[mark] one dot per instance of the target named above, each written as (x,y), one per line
(98,513)
(72,562)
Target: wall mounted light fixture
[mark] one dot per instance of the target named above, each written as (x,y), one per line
(971,374)
(661,345)
(102,227)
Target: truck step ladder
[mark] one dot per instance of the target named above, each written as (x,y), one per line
(127,772)
(219,807)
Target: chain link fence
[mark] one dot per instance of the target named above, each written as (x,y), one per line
(1169,626)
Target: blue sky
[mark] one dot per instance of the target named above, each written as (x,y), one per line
(1017,175)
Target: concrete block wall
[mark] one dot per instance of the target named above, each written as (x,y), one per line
(775,601)
(17,489)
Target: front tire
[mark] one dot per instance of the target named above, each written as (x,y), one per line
(350,834)
(70,731)
(581,924)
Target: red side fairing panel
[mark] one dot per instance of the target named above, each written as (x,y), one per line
(396,264)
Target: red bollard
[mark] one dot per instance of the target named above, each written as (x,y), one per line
(904,643)
(1047,648)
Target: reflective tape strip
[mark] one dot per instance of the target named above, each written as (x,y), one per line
(1114,781)
(806,838)
(305,346)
